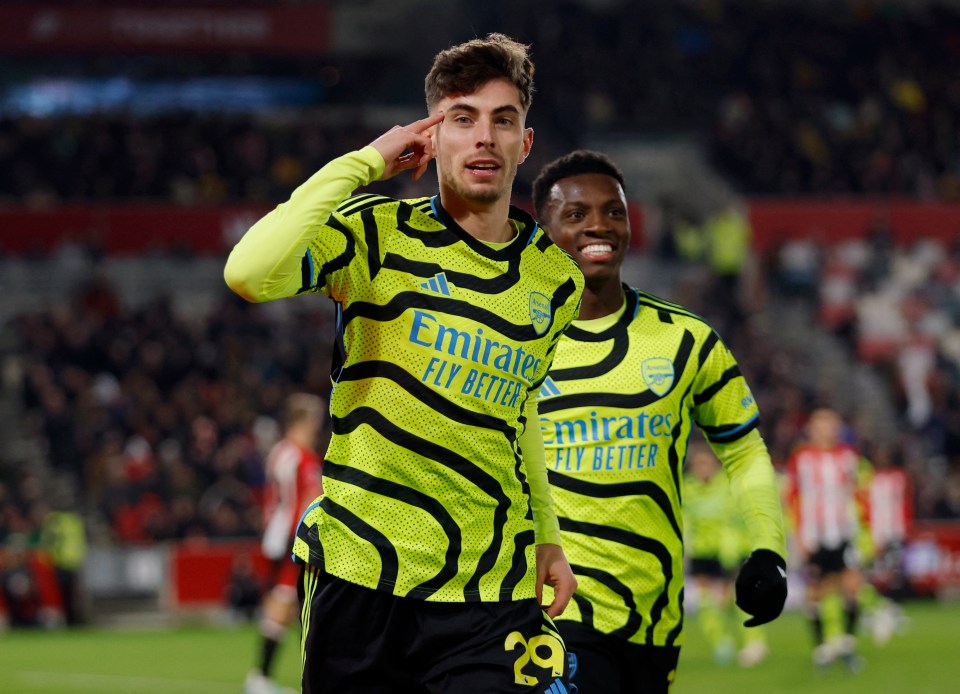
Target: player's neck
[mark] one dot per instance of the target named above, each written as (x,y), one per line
(485,222)
(601,299)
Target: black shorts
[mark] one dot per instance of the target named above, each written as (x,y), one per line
(358,640)
(707,567)
(824,561)
(890,557)
(605,664)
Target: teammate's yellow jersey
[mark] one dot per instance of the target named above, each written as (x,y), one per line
(616,414)
(712,526)
(441,341)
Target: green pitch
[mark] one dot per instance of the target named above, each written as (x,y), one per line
(197,660)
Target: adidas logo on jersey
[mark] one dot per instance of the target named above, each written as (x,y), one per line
(557,687)
(548,389)
(437,284)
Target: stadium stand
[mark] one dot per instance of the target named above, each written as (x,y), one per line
(138,392)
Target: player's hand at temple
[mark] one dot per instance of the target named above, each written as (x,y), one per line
(762,587)
(405,147)
(554,570)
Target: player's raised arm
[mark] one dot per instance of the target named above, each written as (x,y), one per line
(267,262)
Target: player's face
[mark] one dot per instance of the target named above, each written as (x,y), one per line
(586,216)
(824,428)
(481,141)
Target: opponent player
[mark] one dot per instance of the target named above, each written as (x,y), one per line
(822,492)
(436,531)
(630,378)
(889,502)
(293,481)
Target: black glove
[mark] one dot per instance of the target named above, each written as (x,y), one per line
(762,587)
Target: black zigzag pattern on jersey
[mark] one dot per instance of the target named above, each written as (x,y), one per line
(430,397)
(342,260)
(448,459)
(371,235)
(306,273)
(638,542)
(645,488)
(411,497)
(676,631)
(518,565)
(543,242)
(673,458)
(621,344)
(725,433)
(389,562)
(708,345)
(586,609)
(424,206)
(430,239)
(512,249)
(635,620)
(611,333)
(310,536)
(725,378)
(627,400)
(401,218)
(404,301)
(359,203)
(655,302)
(491,285)
(522,540)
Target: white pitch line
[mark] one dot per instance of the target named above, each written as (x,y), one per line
(121,683)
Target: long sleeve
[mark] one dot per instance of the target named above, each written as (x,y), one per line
(266,263)
(754,488)
(546,527)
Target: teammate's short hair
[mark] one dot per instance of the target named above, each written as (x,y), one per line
(465,68)
(578,162)
(300,406)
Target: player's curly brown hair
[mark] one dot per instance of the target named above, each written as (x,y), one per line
(464,68)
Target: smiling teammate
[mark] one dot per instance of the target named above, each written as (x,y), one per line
(630,378)
(427,554)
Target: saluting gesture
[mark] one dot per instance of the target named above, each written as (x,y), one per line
(406,147)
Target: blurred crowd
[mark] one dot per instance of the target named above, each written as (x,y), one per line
(786,99)
(163,423)
(176,158)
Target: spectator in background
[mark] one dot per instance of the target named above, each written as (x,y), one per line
(889,512)
(823,484)
(293,481)
(890,517)
(64,539)
(20,593)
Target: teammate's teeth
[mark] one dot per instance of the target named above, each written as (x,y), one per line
(597,248)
